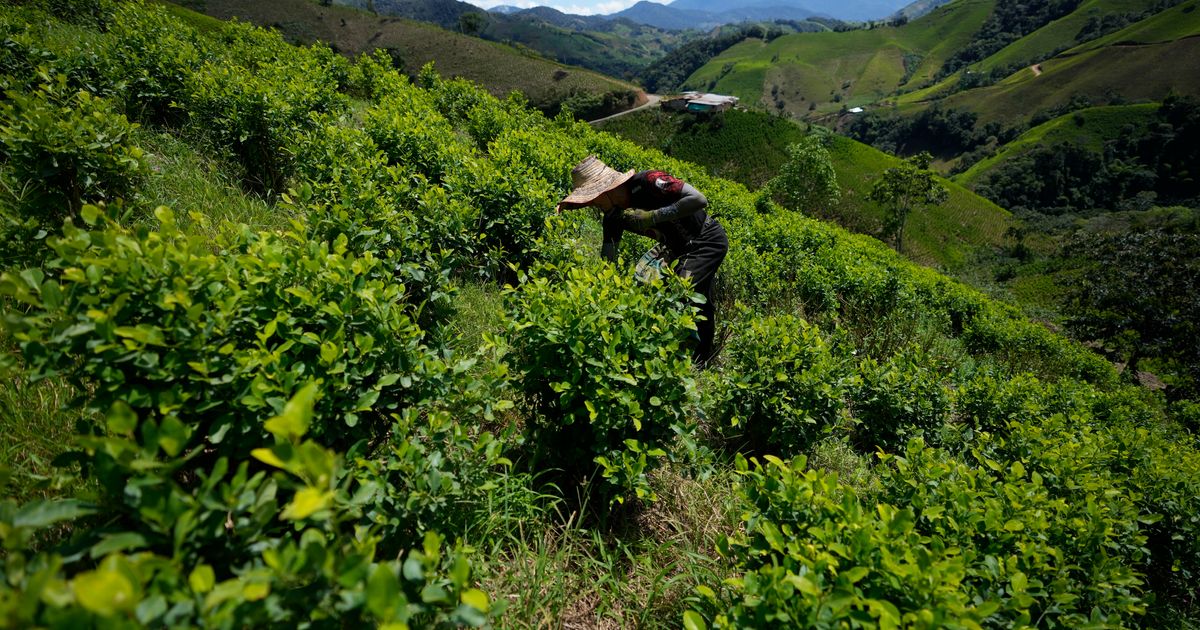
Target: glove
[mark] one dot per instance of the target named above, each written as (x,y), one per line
(638,219)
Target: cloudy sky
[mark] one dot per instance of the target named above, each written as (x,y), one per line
(578,7)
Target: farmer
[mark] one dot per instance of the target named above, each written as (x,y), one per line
(666,209)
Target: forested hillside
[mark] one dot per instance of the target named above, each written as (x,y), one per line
(498,68)
(293,340)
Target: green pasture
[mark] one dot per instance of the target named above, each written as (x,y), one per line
(1178,22)
(1130,73)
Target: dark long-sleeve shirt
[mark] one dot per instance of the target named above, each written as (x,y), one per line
(678,210)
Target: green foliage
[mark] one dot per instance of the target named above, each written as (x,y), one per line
(152,57)
(1140,294)
(899,399)
(903,189)
(785,387)
(280,428)
(228,548)
(257,114)
(60,149)
(603,369)
(207,343)
(812,555)
(807,181)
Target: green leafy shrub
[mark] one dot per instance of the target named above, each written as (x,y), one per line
(898,399)
(284,544)
(512,202)
(344,189)
(1046,534)
(160,322)
(153,57)
(1029,347)
(813,556)
(987,403)
(785,385)
(601,364)
(60,149)
(258,113)
(409,130)
(1150,468)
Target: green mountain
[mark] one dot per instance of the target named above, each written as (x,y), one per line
(1143,61)
(810,75)
(499,68)
(1087,129)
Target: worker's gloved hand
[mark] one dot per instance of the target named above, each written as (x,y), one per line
(638,219)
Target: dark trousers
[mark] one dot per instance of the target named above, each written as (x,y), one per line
(699,264)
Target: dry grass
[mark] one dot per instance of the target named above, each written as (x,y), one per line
(636,572)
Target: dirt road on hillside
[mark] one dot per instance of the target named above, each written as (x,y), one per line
(651,100)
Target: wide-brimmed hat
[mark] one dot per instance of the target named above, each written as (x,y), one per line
(593,178)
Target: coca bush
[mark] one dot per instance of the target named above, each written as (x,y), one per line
(601,362)
(785,385)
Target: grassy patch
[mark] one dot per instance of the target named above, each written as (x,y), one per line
(554,571)
(189,182)
(37,424)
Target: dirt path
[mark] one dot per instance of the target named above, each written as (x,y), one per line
(651,100)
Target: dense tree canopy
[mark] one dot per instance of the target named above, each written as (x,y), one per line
(1139,293)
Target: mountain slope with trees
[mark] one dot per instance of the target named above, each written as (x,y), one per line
(499,68)
(616,47)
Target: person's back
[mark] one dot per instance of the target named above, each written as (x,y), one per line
(660,206)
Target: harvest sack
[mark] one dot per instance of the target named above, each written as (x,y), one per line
(653,264)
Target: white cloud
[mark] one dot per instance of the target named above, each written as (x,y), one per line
(602,7)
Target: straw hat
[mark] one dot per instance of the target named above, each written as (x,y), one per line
(593,178)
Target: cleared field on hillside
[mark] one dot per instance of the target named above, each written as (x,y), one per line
(1133,73)
(1178,22)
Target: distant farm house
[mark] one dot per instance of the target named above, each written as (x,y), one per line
(699,103)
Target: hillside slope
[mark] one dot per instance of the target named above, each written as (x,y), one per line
(498,68)
(408,393)
(617,47)
(1088,129)
(749,147)
(813,76)
(809,74)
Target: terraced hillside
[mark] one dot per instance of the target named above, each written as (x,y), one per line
(497,67)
